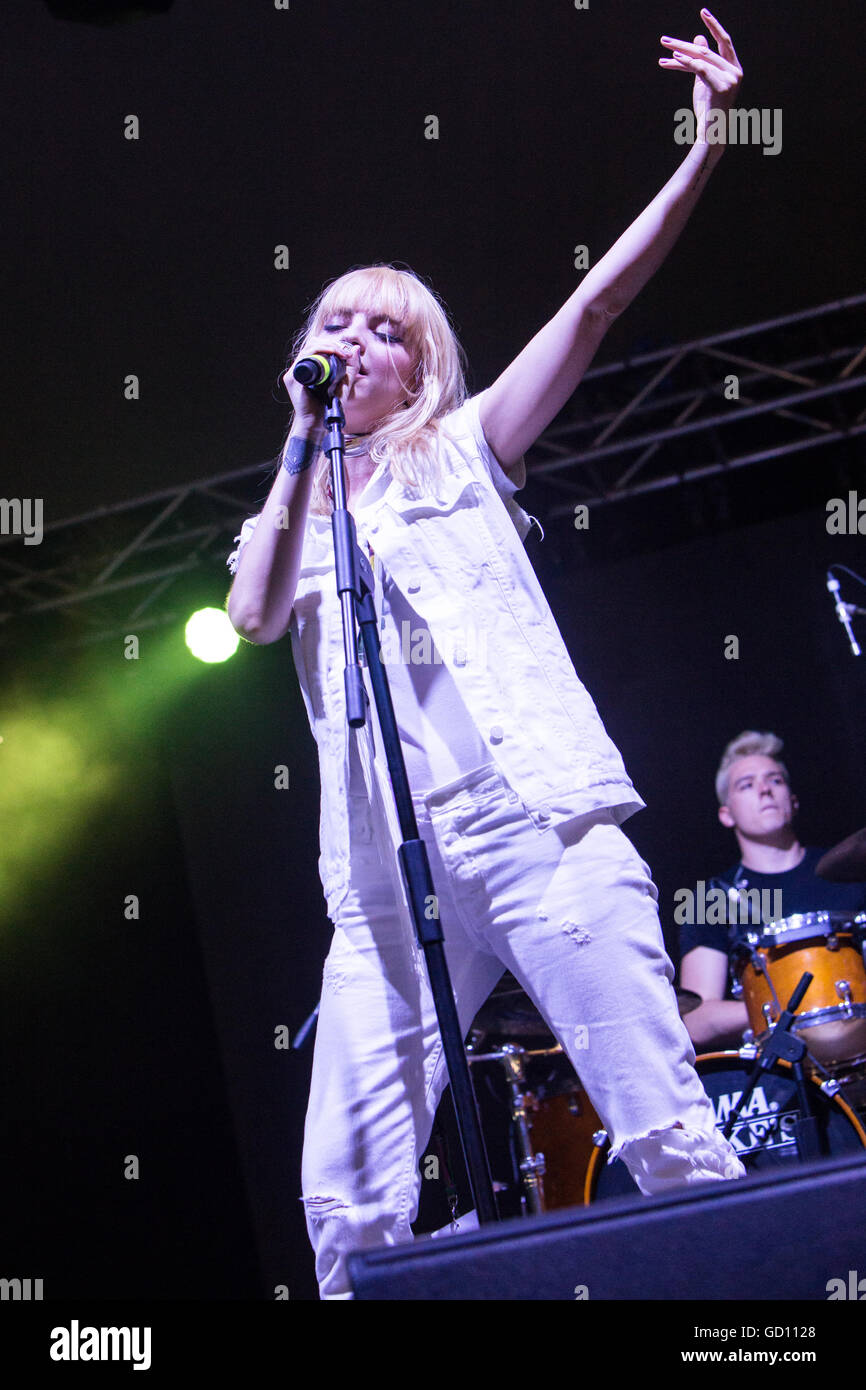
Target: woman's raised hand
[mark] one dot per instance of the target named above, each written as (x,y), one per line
(717,75)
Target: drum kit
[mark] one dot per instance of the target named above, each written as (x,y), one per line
(795,1090)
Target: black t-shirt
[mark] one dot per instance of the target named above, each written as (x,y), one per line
(781,895)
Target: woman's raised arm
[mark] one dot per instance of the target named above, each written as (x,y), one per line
(532,390)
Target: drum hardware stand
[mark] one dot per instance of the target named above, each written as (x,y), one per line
(831,1085)
(781,1044)
(530,1166)
(355,587)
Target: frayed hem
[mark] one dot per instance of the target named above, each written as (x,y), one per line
(674,1154)
(651,1134)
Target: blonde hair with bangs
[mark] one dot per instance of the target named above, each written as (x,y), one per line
(408,437)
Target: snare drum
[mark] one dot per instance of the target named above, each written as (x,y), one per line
(763,1136)
(769,961)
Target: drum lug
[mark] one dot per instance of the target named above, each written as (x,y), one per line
(843,989)
(599,1138)
(832,942)
(535,1166)
(736,989)
(830,1087)
(748,1051)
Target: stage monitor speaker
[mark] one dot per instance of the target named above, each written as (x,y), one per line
(761,1237)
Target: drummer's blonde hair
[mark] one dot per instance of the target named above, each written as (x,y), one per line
(744,746)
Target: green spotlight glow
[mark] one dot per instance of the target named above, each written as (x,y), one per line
(210,636)
(65,754)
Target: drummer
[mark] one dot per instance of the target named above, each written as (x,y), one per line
(756,802)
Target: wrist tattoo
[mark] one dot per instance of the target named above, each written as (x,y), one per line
(299,455)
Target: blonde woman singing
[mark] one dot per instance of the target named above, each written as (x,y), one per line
(519,793)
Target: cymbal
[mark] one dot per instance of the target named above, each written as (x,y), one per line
(845,862)
(509,1010)
(687,1000)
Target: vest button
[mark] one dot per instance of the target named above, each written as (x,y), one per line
(414,587)
(496,734)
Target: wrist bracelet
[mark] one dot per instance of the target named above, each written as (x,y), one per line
(299,454)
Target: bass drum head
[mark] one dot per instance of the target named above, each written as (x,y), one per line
(763,1136)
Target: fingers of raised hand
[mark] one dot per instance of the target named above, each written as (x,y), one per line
(687,53)
(698,56)
(722,37)
(721,75)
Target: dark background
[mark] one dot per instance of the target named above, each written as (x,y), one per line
(155,1038)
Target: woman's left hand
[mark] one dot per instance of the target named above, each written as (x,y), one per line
(717,75)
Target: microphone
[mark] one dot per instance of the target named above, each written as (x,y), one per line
(842,611)
(320,372)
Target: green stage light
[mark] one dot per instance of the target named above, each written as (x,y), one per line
(210,636)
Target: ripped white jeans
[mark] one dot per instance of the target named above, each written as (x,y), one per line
(571,912)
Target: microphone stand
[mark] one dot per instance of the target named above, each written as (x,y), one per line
(355,586)
(844,611)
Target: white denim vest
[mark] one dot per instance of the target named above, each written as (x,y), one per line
(459,559)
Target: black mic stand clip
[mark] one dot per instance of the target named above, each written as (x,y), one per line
(782,1045)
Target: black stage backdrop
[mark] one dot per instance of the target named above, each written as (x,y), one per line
(234,934)
(152,1041)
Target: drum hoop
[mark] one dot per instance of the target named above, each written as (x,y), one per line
(830,1013)
(802,925)
(725,1058)
(816,1018)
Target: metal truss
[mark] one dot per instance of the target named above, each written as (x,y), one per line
(125,568)
(676,415)
(657,420)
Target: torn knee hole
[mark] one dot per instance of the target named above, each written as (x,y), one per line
(576,933)
(334,977)
(319,1207)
